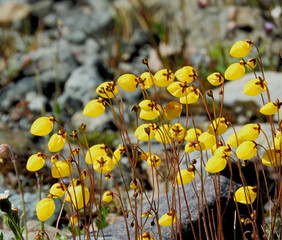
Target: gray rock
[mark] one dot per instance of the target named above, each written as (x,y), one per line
(41,8)
(77,37)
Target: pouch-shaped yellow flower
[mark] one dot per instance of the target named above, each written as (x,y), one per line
(42,126)
(234,71)
(61,169)
(252,63)
(269,109)
(278,140)
(177,131)
(179,89)
(164,77)
(73,220)
(172,110)
(191,97)
(128,82)
(249,132)
(206,141)
(246,150)
(189,147)
(162,134)
(108,196)
(146,80)
(95,151)
(94,108)
(58,190)
(45,208)
(75,196)
(149,115)
(167,219)
(271,158)
(255,87)
(215,79)
(117,154)
(186,176)
(192,133)
(186,74)
(146,236)
(35,162)
(241,49)
(103,164)
(154,161)
(223,150)
(145,132)
(218,126)
(216,164)
(57,141)
(107,89)
(232,140)
(245,195)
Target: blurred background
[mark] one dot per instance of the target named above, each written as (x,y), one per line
(54,53)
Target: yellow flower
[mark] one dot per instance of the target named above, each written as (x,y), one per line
(241,49)
(271,158)
(117,154)
(206,141)
(249,132)
(149,109)
(218,126)
(191,97)
(103,164)
(179,89)
(252,63)
(246,150)
(107,89)
(78,196)
(189,147)
(186,74)
(186,176)
(245,195)
(269,109)
(172,110)
(154,161)
(215,79)
(146,236)
(94,152)
(278,140)
(164,77)
(223,150)
(61,169)
(42,126)
(58,190)
(45,208)
(255,87)
(146,80)
(216,164)
(128,82)
(232,140)
(94,108)
(192,133)
(57,141)
(108,196)
(235,71)
(145,132)
(162,134)
(167,219)
(177,131)
(35,162)
(73,220)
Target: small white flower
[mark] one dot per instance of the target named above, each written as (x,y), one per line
(4,195)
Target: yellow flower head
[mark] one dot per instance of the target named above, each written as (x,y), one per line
(269,108)
(103,164)
(252,63)
(61,169)
(146,79)
(249,132)
(78,196)
(94,108)
(206,141)
(235,71)
(278,140)
(128,82)
(223,150)
(255,87)
(168,219)
(241,49)
(190,147)
(42,126)
(45,208)
(149,109)
(154,161)
(172,110)
(164,77)
(108,196)
(162,134)
(73,220)
(218,126)
(94,152)
(134,184)
(146,236)
(232,140)
(58,190)
(246,150)
(191,97)
(215,79)
(35,162)
(107,89)
(192,133)
(186,175)
(145,132)
(216,164)
(179,89)
(186,74)
(246,195)
(271,158)
(57,141)
(117,154)
(177,131)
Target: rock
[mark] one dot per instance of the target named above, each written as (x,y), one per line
(12,12)
(41,8)
(77,37)
(36,102)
